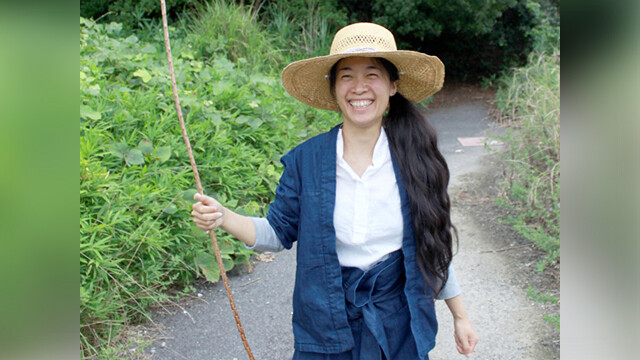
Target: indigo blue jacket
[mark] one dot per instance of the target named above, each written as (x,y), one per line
(303,211)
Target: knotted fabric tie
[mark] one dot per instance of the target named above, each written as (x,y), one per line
(372,297)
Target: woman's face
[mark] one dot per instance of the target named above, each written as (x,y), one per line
(362,90)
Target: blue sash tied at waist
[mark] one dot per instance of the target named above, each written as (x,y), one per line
(377,310)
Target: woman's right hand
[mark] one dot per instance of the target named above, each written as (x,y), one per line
(207,212)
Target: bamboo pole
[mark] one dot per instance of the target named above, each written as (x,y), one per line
(185,137)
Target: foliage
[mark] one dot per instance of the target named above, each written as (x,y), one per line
(474,39)
(136,241)
(305,28)
(529,99)
(133,13)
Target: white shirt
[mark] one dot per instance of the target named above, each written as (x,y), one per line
(367,216)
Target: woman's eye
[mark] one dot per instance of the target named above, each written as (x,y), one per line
(373,75)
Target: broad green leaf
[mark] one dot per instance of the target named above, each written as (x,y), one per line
(223,64)
(119,150)
(142,74)
(132,39)
(92,89)
(209,267)
(113,27)
(163,153)
(205,75)
(170,209)
(87,112)
(228,262)
(188,195)
(255,122)
(134,157)
(242,119)
(226,247)
(199,233)
(242,258)
(148,49)
(145,146)
(189,100)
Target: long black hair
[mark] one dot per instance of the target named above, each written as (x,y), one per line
(424,170)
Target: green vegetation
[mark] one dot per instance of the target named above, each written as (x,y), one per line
(138,247)
(529,99)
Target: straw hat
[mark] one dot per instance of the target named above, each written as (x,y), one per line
(307,80)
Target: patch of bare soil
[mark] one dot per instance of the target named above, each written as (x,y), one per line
(453,94)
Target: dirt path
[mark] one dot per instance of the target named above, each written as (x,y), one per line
(494,267)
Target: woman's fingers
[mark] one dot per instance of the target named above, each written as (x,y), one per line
(206,200)
(207,212)
(212,221)
(207,216)
(204,209)
(206,204)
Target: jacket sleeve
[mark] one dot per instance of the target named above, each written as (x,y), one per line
(284,211)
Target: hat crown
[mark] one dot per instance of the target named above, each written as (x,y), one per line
(362,37)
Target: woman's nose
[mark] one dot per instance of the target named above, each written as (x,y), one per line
(360,85)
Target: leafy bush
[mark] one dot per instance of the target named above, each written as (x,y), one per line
(529,99)
(136,238)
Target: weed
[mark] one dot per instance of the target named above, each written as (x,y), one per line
(541,298)
(546,298)
(553,320)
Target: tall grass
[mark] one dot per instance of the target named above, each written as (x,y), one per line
(306,27)
(220,27)
(529,99)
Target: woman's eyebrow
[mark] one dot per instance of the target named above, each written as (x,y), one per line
(367,68)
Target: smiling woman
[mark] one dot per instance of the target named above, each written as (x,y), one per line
(366,203)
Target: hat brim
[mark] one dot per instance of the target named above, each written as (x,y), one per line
(421,76)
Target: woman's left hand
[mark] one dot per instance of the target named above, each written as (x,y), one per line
(465,335)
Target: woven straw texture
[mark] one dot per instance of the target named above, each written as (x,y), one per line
(421,75)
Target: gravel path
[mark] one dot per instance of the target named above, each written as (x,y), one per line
(494,284)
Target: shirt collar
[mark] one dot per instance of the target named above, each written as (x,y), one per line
(380,149)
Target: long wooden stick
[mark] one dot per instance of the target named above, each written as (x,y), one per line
(216,249)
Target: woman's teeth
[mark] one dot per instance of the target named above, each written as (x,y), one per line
(360,103)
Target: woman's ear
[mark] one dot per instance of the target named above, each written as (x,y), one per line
(394,88)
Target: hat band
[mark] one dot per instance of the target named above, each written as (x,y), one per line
(368,49)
